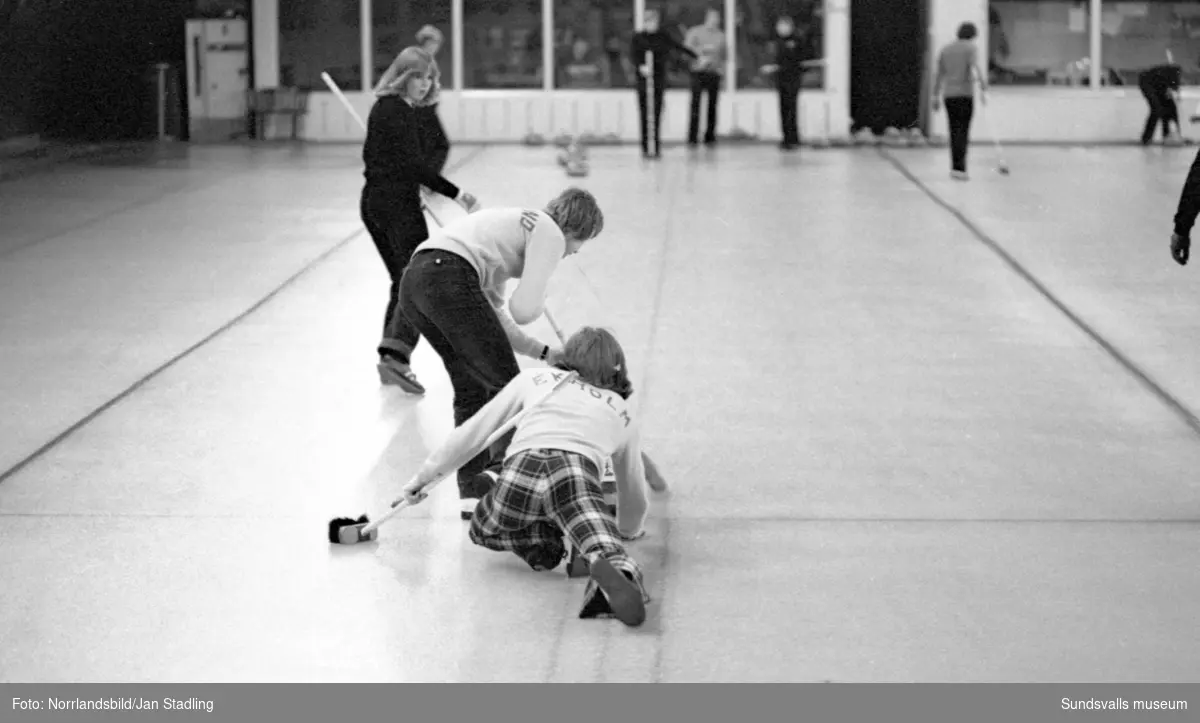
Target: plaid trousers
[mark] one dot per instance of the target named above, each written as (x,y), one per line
(542,494)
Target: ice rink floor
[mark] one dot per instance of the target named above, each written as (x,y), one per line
(917,430)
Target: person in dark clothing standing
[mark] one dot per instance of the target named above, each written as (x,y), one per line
(1160,86)
(433,133)
(1185,215)
(659,46)
(793,55)
(395,168)
(957,72)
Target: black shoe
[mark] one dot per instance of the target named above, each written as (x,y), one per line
(542,557)
(618,596)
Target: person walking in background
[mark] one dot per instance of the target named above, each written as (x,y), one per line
(957,72)
(708,42)
(433,134)
(792,57)
(1160,87)
(660,47)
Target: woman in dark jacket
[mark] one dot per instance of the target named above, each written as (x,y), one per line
(433,133)
(396,166)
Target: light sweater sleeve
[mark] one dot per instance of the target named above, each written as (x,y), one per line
(467,439)
(545,246)
(522,343)
(632,501)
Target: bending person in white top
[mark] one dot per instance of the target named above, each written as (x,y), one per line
(550,482)
(453,292)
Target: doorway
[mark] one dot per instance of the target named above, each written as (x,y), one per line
(887,63)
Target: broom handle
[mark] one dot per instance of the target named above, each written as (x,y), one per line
(495,437)
(337,92)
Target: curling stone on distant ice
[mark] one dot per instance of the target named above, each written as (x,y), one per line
(562,140)
(535,139)
(866,137)
(893,138)
(577,168)
(612,139)
(916,138)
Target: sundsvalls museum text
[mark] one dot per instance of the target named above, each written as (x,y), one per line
(1122,704)
(113,704)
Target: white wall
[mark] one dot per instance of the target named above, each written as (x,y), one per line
(508,116)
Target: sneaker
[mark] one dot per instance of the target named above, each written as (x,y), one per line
(618,595)
(394,372)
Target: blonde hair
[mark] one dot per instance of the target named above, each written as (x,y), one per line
(410,63)
(577,214)
(597,356)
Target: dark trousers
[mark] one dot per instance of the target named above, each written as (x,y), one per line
(440,294)
(710,83)
(642,112)
(959,112)
(789,102)
(1162,109)
(397,226)
(434,142)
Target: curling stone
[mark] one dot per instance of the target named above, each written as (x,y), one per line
(562,140)
(577,168)
(865,137)
(612,139)
(535,139)
(345,531)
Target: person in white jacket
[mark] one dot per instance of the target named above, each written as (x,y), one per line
(549,485)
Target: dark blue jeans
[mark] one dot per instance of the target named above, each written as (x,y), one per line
(397,226)
(441,297)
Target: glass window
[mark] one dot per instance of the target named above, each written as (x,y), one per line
(502,44)
(591,44)
(756,37)
(1136,36)
(394,26)
(318,36)
(1039,42)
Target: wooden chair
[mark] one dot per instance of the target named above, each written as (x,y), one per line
(263,104)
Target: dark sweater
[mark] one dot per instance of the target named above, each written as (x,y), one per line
(790,52)
(661,46)
(393,156)
(1161,78)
